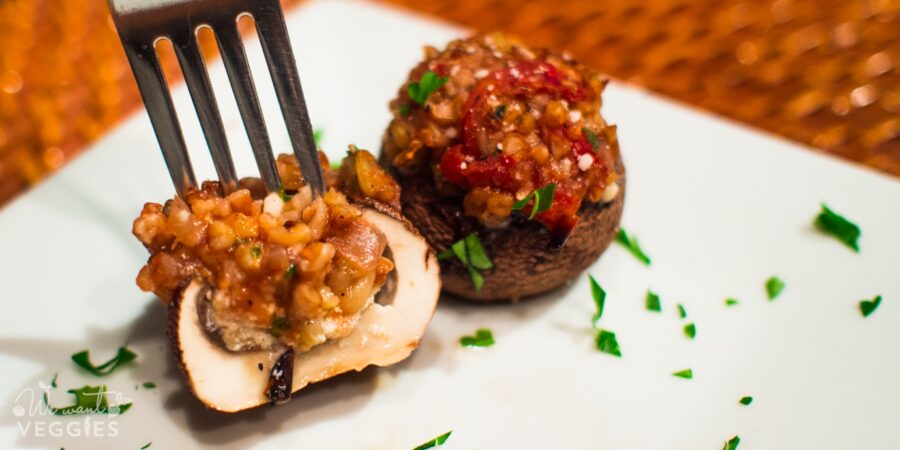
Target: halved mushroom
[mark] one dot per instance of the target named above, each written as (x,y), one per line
(387,332)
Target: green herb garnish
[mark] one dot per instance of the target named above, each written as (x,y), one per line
(774,286)
(290,272)
(53,381)
(732,443)
(147,445)
(285,197)
(681,311)
(832,223)
(746,400)
(256,251)
(731,301)
(483,338)
(404,110)
(690,330)
(123,356)
(686,374)
(88,400)
(318,134)
(149,385)
(420,90)
(631,243)
(280,324)
(436,442)
(592,138)
(652,302)
(471,253)
(543,198)
(499,112)
(867,307)
(599,296)
(607,343)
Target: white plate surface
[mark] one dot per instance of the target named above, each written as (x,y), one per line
(718,207)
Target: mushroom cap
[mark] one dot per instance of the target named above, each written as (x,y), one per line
(525,261)
(387,332)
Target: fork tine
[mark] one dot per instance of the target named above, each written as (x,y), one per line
(283,69)
(152,83)
(197,80)
(235,59)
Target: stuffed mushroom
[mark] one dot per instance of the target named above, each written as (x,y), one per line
(270,292)
(507,167)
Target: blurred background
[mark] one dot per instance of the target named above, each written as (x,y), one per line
(821,72)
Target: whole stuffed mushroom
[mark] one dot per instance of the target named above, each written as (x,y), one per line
(506,166)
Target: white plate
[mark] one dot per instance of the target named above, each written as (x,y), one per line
(718,207)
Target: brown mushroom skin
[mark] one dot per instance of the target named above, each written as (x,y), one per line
(526,263)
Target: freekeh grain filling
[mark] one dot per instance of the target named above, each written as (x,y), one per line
(286,268)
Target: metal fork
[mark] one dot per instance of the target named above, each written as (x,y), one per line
(142,23)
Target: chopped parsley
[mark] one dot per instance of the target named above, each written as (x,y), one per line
(607,343)
(404,110)
(148,385)
(256,251)
(147,445)
(53,381)
(285,197)
(631,243)
(280,324)
(731,301)
(318,134)
(123,356)
(867,307)
(499,112)
(681,311)
(436,442)
(290,272)
(592,138)
(732,443)
(471,253)
(774,286)
(543,198)
(428,84)
(686,374)
(483,338)
(88,400)
(746,400)
(599,296)
(690,330)
(652,302)
(832,223)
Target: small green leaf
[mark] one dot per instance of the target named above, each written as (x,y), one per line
(631,243)
(686,374)
(681,311)
(123,356)
(478,257)
(290,272)
(652,302)
(731,301)
(147,445)
(404,110)
(832,223)
(280,324)
(592,138)
(543,199)
(53,381)
(732,443)
(483,338)
(256,251)
(599,296)
(285,197)
(430,82)
(149,385)
(774,286)
(746,400)
(472,254)
(318,134)
(690,330)
(867,307)
(607,343)
(88,400)
(438,441)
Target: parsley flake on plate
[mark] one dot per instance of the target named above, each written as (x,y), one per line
(867,307)
(148,385)
(746,400)
(592,138)
(472,254)
(681,311)
(732,443)
(483,338)
(599,296)
(543,198)
(731,301)
(88,400)
(123,356)
(652,302)
(774,286)
(690,330)
(419,91)
(147,445)
(53,381)
(631,243)
(832,223)
(436,442)
(687,374)
(318,134)
(607,343)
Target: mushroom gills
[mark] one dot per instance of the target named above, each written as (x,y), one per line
(387,332)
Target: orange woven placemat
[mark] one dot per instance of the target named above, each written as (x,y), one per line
(822,72)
